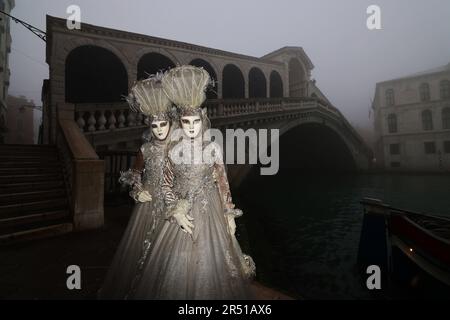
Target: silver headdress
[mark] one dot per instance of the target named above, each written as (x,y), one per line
(148,97)
(186,86)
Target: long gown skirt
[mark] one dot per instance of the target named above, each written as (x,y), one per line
(124,271)
(205,266)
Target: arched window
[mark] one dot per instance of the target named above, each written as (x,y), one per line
(446,118)
(392,123)
(233,83)
(390,99)
(94,74)
(151,63)
(276,85)
(424,91)
(445,89)
(257,87)
(427,120)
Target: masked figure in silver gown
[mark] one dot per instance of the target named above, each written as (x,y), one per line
(148,98)
(195,254)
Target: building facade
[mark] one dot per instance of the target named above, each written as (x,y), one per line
(20,120)
(5,49)
(412,122)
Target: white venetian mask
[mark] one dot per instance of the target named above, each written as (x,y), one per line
(191,125)
(160,129)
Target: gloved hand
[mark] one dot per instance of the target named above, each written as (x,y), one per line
(230,215)
(144,196)
(231,224)
(181,217)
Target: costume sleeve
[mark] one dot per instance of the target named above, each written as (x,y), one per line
(167,185)
(220,176)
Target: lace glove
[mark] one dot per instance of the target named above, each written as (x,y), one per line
(131,178)
(230,215)
(179,214)
(140,195)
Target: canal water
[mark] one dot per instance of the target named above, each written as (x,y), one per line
(303,229)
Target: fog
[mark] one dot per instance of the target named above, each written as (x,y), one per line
(349,58)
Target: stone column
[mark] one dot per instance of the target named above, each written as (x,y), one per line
(246,94)
(219,85)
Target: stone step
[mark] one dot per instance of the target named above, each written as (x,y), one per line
(16,178)
(30,196)
(27,149)
(11,225)
(27,146)
(21,209)
(36,233)
(17,187)
(31,163)
(30,170)
(24,157)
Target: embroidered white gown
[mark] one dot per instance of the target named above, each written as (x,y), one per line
(209,264)
(125,271)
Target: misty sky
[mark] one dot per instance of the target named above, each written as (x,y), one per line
(349,59)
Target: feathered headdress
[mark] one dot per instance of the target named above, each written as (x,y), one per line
(148,97)
(186,86)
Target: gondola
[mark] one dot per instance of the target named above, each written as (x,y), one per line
(411,249)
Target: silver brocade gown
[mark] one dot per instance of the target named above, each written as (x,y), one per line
(207,265)
(125,271)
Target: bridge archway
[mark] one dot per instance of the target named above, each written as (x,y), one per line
(297,78)
(313,145)
(233,83)
(151,63)
(257,86)
(211,92)
(94,74)
(276,85)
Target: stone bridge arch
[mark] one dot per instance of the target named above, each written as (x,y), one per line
(238,173)
(58,67)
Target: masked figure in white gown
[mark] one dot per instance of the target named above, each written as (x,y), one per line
(195,254)
(148,98)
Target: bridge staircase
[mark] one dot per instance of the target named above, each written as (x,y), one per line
(33,198)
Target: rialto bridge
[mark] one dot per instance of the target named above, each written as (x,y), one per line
(85,116)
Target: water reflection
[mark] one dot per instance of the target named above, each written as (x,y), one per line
(303,230)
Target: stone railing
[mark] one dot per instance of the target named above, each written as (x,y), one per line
(95,117)
(83,172)
(92,117)
(106,117)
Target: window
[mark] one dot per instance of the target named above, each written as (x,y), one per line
(445,89)
(395,164)
(424,91)
(446,146)
(390,100)
(430,147)
(427,120)
(446,118)
(394,148)
(392,123)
